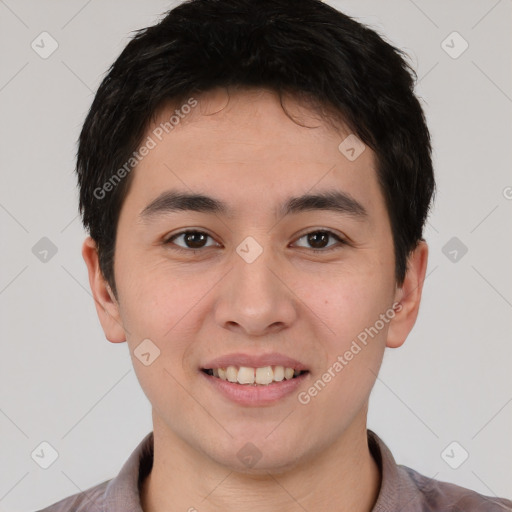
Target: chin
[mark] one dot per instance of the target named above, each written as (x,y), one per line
(258,453)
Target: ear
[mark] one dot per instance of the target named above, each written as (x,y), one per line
(107,306)
(408,297)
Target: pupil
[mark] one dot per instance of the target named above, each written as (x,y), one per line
(190,239)
(312,238)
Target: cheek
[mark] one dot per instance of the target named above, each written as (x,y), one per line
(349,303)
(157,300)
(168,307)
(155,311)
(352,308)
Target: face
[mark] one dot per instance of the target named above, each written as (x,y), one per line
(249,282)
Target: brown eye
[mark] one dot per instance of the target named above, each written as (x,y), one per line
(318,240)
(191,240)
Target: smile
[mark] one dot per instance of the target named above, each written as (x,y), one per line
(256,376)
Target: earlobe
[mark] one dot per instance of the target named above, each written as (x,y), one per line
(408,297)
(106,304)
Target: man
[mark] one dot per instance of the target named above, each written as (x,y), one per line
(255,178)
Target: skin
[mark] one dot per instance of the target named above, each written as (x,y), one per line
(309,306)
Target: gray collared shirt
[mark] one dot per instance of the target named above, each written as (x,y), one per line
(402,488)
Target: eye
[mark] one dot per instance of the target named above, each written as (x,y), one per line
(318,239)
(194,241)
(191,239)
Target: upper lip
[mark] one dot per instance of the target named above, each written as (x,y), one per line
(254,361)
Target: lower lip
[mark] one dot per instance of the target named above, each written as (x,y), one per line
(250,395)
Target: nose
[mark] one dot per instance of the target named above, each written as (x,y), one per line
(255,298)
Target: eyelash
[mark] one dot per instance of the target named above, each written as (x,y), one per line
(341,241)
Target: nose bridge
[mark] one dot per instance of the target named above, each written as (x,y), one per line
(254,278)
(253,297)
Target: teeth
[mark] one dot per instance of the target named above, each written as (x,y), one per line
(288,373)
(262,376)
(231,373)
(278,373)
(245,375)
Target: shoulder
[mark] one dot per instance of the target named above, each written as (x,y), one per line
(90,500)
(438,496)
(119,493)
(405,489)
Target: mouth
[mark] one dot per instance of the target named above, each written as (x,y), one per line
(248,376)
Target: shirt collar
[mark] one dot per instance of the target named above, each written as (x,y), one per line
(123,492)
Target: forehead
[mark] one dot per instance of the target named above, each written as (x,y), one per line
(244,150)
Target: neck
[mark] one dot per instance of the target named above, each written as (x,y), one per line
(181,479)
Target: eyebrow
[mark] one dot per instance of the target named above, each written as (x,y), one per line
(328,200)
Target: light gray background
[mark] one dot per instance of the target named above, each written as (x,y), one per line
(63,383)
